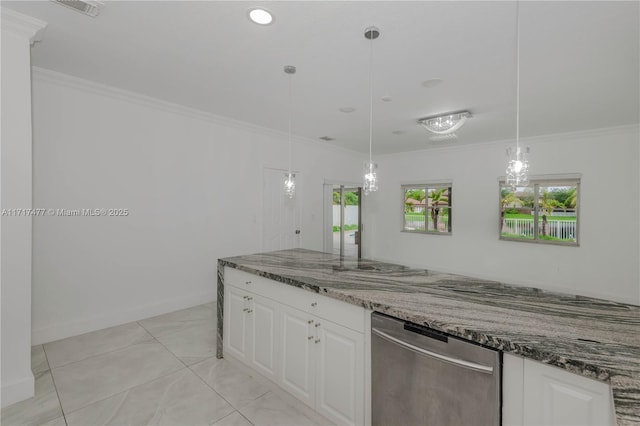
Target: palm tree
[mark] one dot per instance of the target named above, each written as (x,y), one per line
(438,197)
(572,198)
(546,205)
(415,194)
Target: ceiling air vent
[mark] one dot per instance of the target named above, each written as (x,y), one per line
(88,7)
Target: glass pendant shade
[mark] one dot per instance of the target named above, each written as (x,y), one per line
(517,167)
(370,177)
(290,184)
(518,158)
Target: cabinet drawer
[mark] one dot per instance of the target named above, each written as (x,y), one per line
(334,310)
(240,279)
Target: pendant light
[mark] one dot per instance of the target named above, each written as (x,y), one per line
(290,177)
(518,163)
(370,176)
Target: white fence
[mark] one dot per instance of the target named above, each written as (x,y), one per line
(350,215)
(563,229)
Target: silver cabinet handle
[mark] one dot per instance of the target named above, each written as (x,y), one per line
(317,324)
(310,322)
(249,298)
(455,361)
(249,311)
(314,304)
(310,337)
(245,297)
(247,282)
(317,340)
(246,309)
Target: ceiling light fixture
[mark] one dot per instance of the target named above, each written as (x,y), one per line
(261,16)
(518,161)
(370,174)
(444,124)
(290,177)
(88,7)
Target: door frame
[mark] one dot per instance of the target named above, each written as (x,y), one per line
(328,188)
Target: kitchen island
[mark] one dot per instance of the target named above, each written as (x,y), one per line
(595,338)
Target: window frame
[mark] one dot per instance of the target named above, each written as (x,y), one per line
(535,183)
(426,186)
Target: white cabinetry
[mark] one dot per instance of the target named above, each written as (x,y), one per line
(310,345)
(323,365)
(340,373)
(297,375)
(236,322)
(551,396)
(251,330)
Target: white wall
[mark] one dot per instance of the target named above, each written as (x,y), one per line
(18,32)
(186,178)
(606,263)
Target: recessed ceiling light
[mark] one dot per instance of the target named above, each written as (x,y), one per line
(261,16)
(432,83)
(386,99)
(347,110)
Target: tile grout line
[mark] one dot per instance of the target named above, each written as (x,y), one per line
(161,344)
(216,392)
(188,367)
(64,417)
(235,411)
(123,391)
(106,352)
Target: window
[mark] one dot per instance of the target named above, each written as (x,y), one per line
(427,208)
(546,211)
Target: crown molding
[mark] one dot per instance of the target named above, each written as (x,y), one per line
(22,25)
(629,129)
(77,83)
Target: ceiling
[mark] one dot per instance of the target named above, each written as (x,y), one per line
(579,63)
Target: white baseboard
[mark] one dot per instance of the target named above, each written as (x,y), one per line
(59,331)
(17,391)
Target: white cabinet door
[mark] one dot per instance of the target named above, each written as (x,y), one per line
(264,316)
(340,373)
(512,389)
(236,322)
(553,396)
(297,355)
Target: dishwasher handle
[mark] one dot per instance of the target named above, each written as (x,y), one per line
(455,361)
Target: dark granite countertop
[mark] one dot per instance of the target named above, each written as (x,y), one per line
(596,338)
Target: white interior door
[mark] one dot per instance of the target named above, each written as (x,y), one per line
(280,214)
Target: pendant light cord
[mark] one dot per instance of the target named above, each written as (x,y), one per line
(371,97)
(290,114)
(517,77)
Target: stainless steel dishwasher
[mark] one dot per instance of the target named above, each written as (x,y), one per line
(422,377)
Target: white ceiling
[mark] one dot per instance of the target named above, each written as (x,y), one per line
(579,63)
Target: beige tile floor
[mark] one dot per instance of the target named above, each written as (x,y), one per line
(158,371)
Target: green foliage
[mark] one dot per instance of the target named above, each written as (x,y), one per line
(346,228)
(350,198)
(415,194)
(530,216)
